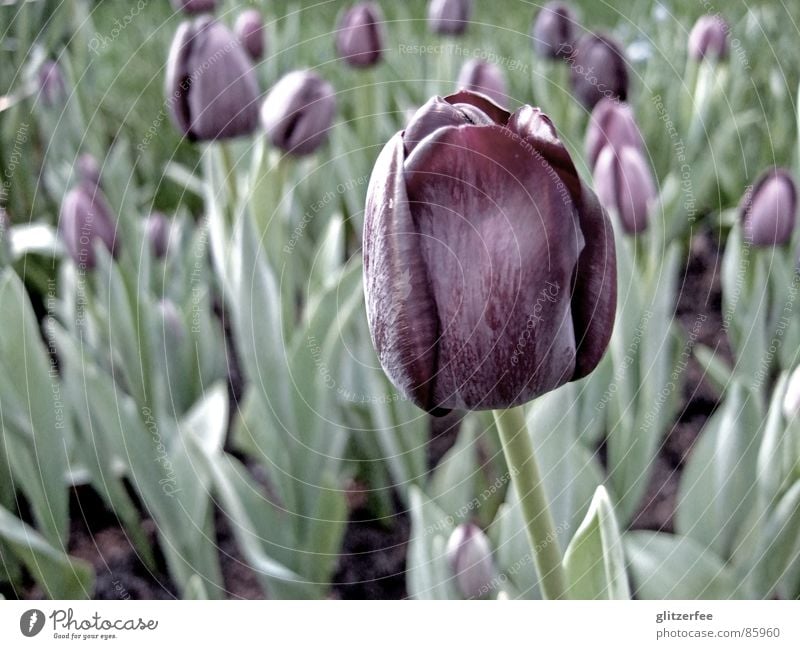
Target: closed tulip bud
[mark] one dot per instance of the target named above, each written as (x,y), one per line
(709,38)
(212,90)
(85,219)
(298,112)
(157,230)
(249,29)
(768,209)
(484,77)
(613,123)
(52,88)
(170,320)
(449,16)
(554,31)
(470,558)
(359,39)
(598,69)
(625,184)
(489,267)
(194,6)
(89,169)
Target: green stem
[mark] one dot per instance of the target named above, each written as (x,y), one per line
(524,470)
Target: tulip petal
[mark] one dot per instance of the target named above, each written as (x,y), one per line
(498,115)
(500,242)
(400,307)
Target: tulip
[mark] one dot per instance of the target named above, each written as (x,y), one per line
(470,558)
(489,267)
(768,210)
(612,122)
(359,39)
(709,38)
(89,169)
(554,30)
(52,88)
(449,16)
(170,320)
(249,29)
(157,231)
(211,87)
(625,184)
(791,400)
(484,77)
(85,219)
(298,112)
(194,6)
(598,69)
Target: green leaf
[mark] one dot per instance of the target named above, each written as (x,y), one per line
(780,545)
(594,561)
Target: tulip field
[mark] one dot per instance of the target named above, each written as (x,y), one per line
(440,299)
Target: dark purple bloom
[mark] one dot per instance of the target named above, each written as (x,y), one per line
(612,122)
(449,16)
(625,184)
(212,91)
(769,209)
(598,69)
(359,39)
(249,29)
(298,112)
(194,6)
(85,219)
(554,31)
(484,77)
(489,267)
(470,557)
(52,88)
(709,38)
(157,229)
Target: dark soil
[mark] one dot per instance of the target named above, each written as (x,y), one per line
(372,565)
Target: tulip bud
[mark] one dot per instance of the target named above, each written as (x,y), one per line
(554,31)
(462,207)
(86,218)
(449,16)
(709,38)
(157,230)
(625,184)
(470,558)
(89,169)
(484,77)
(52,88)
(170,320)
(194,6)
(212,90)
(359,39)
(249,29)
(791,400)
(598,69)
(768,209)
(612,122)
(298,112)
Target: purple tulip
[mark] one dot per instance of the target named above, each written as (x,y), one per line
(612,122)
(709,38)
(85,219)
(211,88)
(88,169)
(484,77)
(449,16)
(598,69)
(359,39)
(554,30)
(768,210)
(298,112)
(249,29)
(52,88)
(194,6)
(157,230)
(625,184)
(470,557)
(489,267)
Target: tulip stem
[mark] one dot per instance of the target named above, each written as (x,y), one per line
(539,524)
